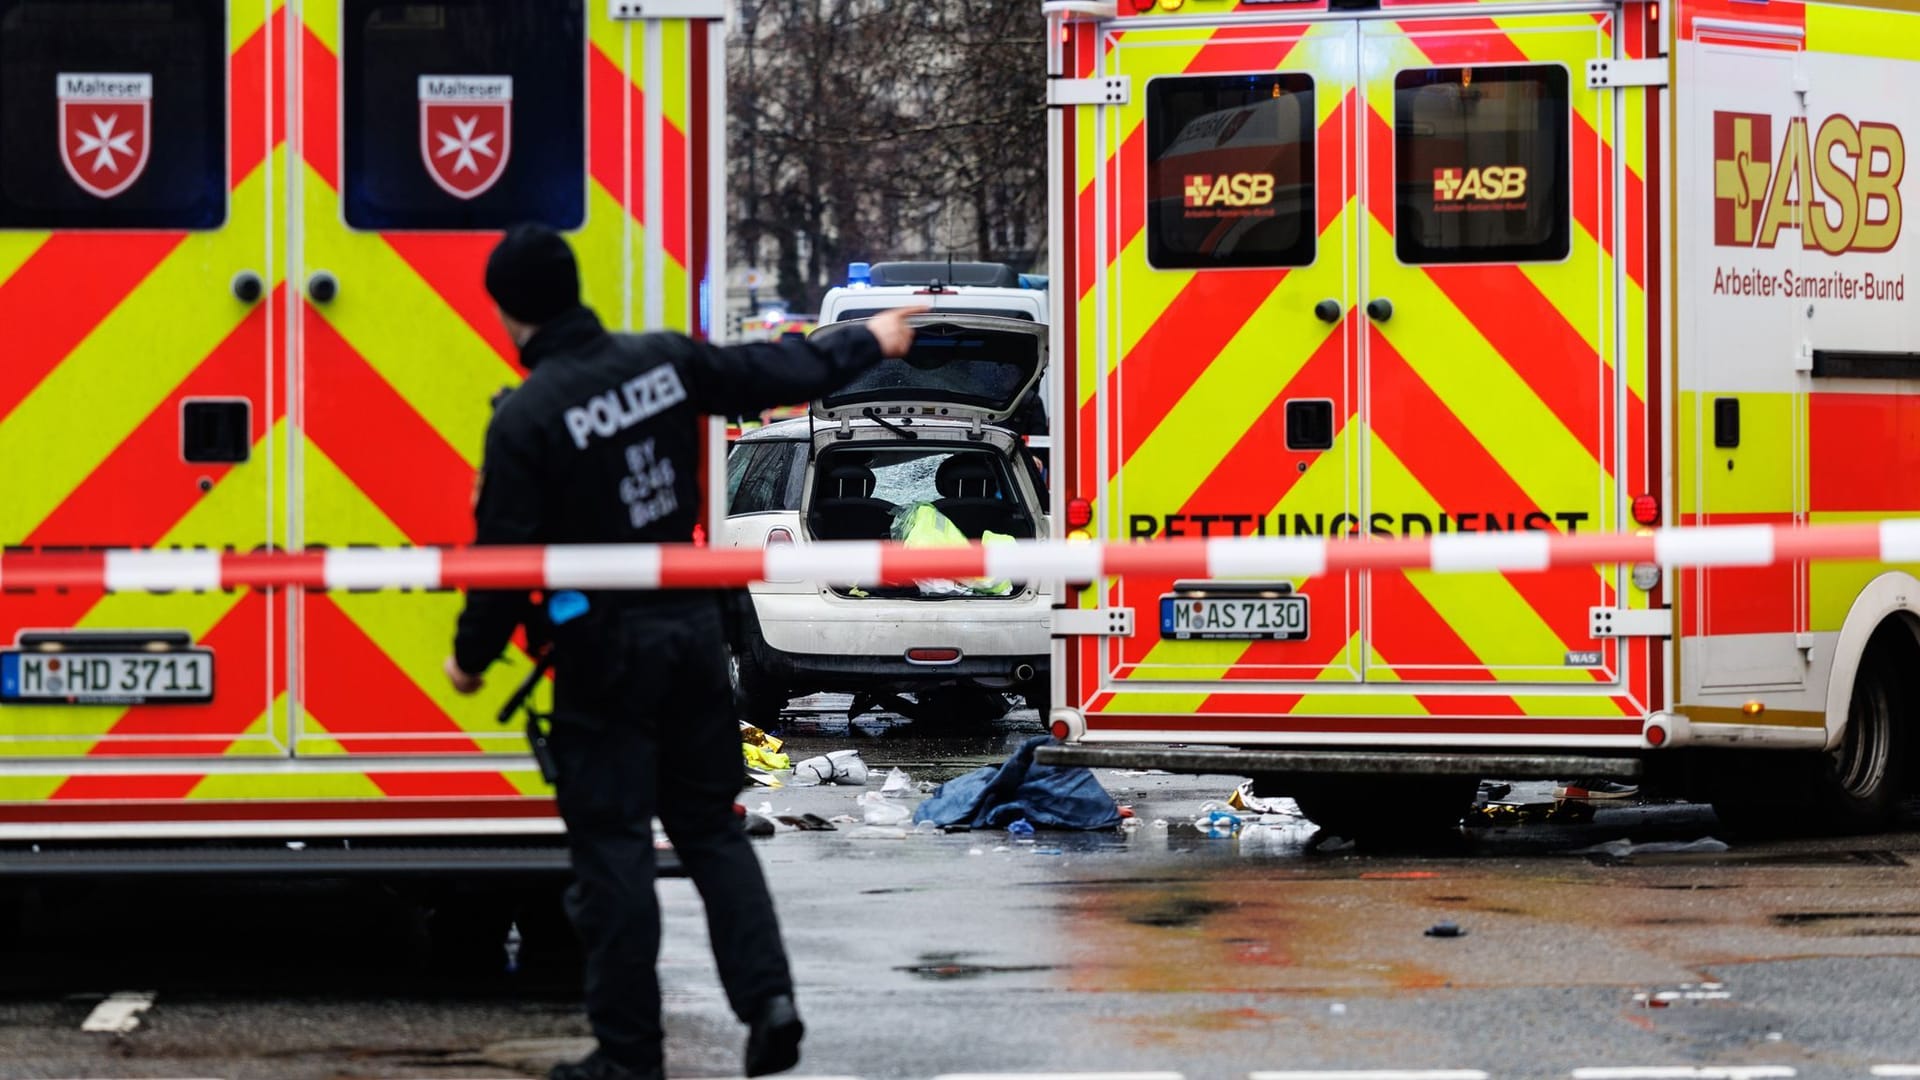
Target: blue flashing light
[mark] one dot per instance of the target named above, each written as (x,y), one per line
(859,275)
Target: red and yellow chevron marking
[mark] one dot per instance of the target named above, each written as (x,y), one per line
(1498,394)
(380,444)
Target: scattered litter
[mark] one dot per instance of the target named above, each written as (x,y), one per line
(1494,792)
(1563,812)
(1001,847)
(898,784)
(759,826)
(1218,823)
(844,819)
(1338,1008)
(1046,851)
(753,736)
(1022,827)
(878,832)
(957,827)
(810,822)
(296,845)
(1243,799)
(759,757)
(1130,824)
(927,827)
(876,809)
(1774,1036)
(1046,796)
(1329,843)
(1159,823)
(1445,929)
(1623,848)
(763,778)
(838,767)
(976,851)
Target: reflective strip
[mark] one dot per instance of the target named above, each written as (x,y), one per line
(1271,558)
(1517,551)
(1725,545)
(1900,541)
(136,571)
(602,566)
(834,564)
(388,568)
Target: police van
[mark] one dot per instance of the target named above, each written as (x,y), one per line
(1426,267)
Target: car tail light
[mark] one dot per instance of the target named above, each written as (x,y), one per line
(1646,509)
(1079,513)
(933,656)
(779,534)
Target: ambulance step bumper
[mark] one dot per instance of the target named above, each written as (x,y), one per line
(22,864)
(1235,762)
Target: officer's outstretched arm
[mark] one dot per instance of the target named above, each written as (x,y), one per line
(736,380)
(507,512)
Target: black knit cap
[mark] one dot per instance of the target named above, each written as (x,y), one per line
(532,275)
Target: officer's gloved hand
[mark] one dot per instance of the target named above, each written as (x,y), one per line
(499,396)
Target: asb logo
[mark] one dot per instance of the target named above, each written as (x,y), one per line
(1839,202)
(1486,183)
(104,123)
(1229,189)
(466,130)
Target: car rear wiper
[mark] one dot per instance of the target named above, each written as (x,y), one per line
(873,414)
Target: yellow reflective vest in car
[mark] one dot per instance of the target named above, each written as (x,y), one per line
(921,526)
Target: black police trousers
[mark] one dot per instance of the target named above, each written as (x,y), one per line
(644,726)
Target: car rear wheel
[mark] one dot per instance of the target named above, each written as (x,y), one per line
(758,699)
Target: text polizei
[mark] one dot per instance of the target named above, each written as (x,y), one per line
(612,411)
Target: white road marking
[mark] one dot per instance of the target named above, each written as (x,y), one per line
(1686,1072)
(1064,1076)
(120,1013)
(1372,1074)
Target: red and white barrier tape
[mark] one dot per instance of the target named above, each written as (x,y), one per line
(644,566)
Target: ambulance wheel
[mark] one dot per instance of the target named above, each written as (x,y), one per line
(1380,811)
(1856,788)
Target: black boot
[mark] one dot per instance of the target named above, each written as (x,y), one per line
(773,1042)
(598,1066)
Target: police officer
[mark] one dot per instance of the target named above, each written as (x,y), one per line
(601,444)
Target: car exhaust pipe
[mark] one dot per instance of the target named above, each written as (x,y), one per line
(1023,672)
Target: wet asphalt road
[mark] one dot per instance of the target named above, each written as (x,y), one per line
(1159,948)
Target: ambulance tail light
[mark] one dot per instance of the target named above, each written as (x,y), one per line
(1646,510)
(1079,513)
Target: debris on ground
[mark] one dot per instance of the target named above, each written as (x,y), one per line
(1245,800)
(898,784)
(1559,812)
(1217,822)
(878,832)
(763,778)
(759,826)
(1022,827)
(806,822)
(1445,929)
(1047,796)
(877,809)
(1624,848)
(759,757)
(838,767)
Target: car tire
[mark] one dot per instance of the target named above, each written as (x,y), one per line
(756,696)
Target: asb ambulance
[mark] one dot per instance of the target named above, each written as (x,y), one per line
(1404,268)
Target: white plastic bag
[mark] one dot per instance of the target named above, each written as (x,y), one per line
(877,809)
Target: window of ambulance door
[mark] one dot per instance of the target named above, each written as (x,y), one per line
(1230,171)
(1481,164)
(113,114)
(464,114)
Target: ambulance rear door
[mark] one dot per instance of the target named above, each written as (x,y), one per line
(1353,275)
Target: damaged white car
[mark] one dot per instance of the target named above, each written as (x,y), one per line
(912,451)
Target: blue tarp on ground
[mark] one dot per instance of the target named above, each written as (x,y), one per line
(1049,796)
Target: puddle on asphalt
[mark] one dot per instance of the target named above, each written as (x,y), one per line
(948,967)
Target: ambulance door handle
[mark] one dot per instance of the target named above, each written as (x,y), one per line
(247,287)
(1380,309)
(1327,311)
(322,287)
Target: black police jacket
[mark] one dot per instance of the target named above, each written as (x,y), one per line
(601,443)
